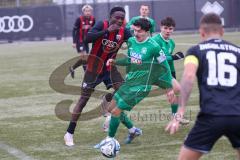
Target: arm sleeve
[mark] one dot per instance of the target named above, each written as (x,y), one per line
(96,32)
(192,56)
(75,30)
(122,62)
(173,43)
(165,79)
(163,70)
(169,57)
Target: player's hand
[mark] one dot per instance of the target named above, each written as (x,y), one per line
(110,62)
(124,46)
(113,27)
(74,45)
(178,55)
(172,126)
(170,95)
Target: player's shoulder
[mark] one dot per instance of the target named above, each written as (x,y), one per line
(157,38)
(229,43)
(99,24)
(133,19)
(171,41)
(195,47)
(136,17)
(153,43)
(132,39)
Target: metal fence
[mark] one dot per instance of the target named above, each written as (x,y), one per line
(56,17)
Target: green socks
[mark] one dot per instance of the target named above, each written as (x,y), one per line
(115,121)
(174,108)
(113,126)
(125,120)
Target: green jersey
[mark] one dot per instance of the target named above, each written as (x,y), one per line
(147,64)
(152,29)
(168,47)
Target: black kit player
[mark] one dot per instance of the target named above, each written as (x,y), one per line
(81,27)
(216,63)
(107,37)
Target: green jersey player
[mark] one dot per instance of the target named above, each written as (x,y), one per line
(168,45)
(144,12)
(147,67)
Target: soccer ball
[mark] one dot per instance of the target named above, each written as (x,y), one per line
(111,148)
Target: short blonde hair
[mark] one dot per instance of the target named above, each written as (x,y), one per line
(86,6)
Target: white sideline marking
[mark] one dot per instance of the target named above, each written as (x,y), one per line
(15,152)
(186,44)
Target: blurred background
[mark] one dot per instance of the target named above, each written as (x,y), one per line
(55,18)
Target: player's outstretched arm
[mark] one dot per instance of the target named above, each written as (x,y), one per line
(187,81)
(110,62)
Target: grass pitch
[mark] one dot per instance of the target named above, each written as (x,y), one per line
(29,128)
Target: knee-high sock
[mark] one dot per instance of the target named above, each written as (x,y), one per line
(76,114)
(113,126)
(174,108)
(125,120)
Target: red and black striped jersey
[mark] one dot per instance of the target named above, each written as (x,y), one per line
(105,46)
(81,27)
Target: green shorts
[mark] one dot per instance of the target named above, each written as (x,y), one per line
(128,96)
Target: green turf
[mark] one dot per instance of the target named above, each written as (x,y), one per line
(27,109)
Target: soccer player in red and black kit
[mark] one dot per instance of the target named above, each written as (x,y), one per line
(81,27)
(107,37)
(216,63)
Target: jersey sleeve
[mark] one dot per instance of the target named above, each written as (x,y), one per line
(75,30)
(159,54)
(192,56)
(162,70)
(95,32)
(97,27)
(173,46)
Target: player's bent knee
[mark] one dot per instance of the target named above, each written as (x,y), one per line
(112,105)
(116,111)
(188,154)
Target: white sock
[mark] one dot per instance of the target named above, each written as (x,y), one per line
(132,130)
(69,134)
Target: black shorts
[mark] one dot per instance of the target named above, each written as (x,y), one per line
(82,46)
(208,129)
(91,80)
